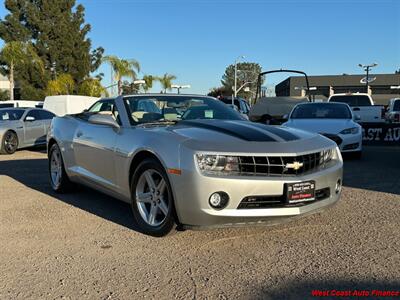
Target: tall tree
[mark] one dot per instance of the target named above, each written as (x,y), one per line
(122,68)
(62,85)
(247,72)
(18,53)
(58,32)
(166,81)
(92,87)
(219,91)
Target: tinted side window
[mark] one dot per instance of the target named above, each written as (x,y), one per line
(46,115)
(35,113)
(396,105)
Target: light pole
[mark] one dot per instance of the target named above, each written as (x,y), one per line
(53,70)
(179,87)
(235,87)
(366,69)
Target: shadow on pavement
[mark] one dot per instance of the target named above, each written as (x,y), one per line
(337,289)
(378,170)
(34,174)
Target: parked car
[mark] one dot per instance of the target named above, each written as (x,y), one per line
(393,111)
(362,105)
(191,160)
(21,103)
(239,104)
(68,104)
(333,120)
(20,128)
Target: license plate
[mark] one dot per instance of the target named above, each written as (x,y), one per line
(300,191)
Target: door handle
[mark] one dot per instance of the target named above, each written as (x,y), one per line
(79,134)
(356,109)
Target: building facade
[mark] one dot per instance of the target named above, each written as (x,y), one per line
(4,83)
(382,88)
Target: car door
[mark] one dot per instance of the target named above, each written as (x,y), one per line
(34,128)
(94,146)
(46,118)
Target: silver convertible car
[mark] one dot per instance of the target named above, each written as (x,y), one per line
(23,127)
(192,161)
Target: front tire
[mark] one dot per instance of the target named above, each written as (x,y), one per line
(59,180)
(9,143)
(152,201)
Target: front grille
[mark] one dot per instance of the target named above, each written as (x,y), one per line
(337,139)
(279,165)
(254,202)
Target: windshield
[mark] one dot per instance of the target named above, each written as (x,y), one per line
(160,108)
(321,111)
(352,100)
(10,114)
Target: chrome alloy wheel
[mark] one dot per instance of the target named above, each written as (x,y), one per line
(10,142)
(152,197)
(55,167)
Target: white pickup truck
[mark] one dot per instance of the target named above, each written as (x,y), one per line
(393,111)
(362,105)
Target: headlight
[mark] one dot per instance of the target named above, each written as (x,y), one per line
(210,163)
(353,130)
(327,155)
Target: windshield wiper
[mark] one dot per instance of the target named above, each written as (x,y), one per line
(159,122)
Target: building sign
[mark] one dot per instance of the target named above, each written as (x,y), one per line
(381,133)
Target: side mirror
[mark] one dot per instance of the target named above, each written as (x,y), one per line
(357,118)
(106,120)
(30,119)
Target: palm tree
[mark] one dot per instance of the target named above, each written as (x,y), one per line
(122,68)
(148,79)
(16,52)
(166,81)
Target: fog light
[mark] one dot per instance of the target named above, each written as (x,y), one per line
(218,200)
(338,186)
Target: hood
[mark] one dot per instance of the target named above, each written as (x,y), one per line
(238,130)
(245,136)
(332,126)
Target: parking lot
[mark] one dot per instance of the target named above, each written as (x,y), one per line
(83,245)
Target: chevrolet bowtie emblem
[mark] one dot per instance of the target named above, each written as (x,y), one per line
(295,165)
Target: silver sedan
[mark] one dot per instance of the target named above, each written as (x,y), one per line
(21,128)
(192,161)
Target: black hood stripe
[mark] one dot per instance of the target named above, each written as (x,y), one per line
(282,133)
(263,131)
(233,129)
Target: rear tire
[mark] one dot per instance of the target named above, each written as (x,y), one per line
(59,180)
(9,143)
(152,201)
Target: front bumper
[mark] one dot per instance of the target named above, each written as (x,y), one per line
(350,142)
(193,189)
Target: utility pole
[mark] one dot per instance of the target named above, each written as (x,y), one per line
(53,70)
(367,68)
